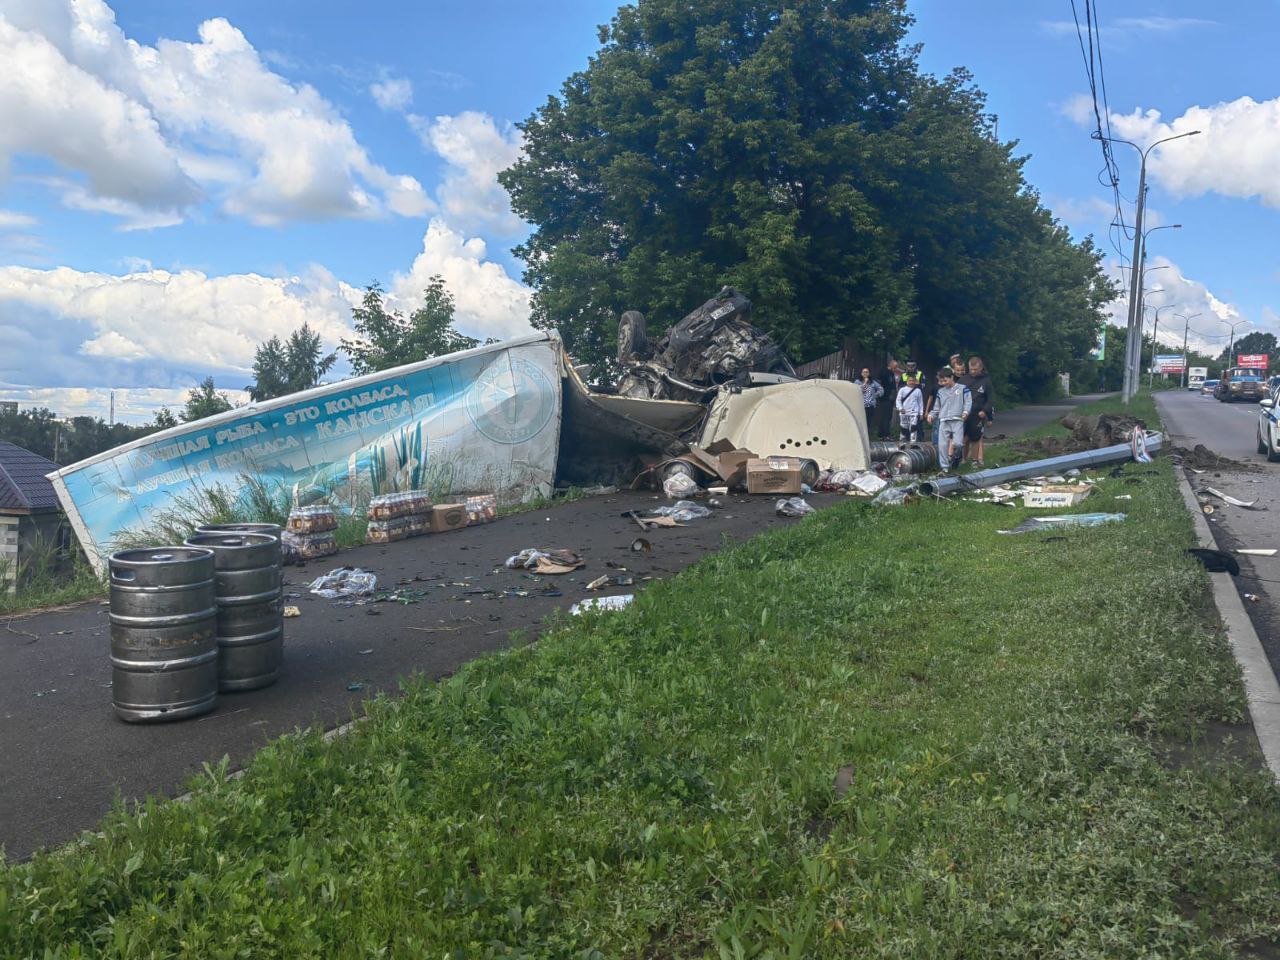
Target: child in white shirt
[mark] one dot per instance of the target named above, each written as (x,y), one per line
(910,407)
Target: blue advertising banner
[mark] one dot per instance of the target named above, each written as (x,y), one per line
(481,421)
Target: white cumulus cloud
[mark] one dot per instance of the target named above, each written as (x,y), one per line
(1234,155)
(489,302)
(1169,289)
(475,150)
(151,130)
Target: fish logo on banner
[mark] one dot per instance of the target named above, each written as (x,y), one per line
(511,403)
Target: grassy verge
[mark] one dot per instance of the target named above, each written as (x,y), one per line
(878,731)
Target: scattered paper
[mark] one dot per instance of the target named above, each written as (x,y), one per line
(618,602)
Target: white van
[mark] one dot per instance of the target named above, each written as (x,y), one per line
(1196,377)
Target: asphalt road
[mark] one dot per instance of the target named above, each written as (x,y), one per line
(1230,430)
(66,757)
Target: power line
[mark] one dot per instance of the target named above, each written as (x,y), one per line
(1090,39)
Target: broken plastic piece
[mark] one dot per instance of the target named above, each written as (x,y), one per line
(1068,520)
(1259,552)
(291,612)
(1246,504)
(597,583)
(895,496)
(618,602)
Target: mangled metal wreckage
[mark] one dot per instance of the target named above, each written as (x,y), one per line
(514,418)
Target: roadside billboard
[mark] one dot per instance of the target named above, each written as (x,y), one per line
(485,420)
(1170,364)
(1255,360)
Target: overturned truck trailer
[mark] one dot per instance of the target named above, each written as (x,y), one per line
(514,419)
(485,420)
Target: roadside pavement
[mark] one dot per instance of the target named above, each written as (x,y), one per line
(67,757)
(1230,430)
(1019,420)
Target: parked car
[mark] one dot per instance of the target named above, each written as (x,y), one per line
(1241,383)
(1208,387)
(1269,427)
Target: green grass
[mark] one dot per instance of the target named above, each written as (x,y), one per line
(659,783)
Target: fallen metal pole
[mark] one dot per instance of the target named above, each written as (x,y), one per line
(1036,468)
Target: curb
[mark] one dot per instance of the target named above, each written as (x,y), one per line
(1260,686)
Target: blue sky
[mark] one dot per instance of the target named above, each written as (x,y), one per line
(183,180)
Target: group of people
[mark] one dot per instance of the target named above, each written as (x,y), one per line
(959,406)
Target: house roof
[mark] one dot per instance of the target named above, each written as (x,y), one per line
(23,485)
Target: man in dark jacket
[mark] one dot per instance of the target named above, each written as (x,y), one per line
(891,379)
(981,413)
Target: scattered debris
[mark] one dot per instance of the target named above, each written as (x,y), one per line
(598,582)
(1057,495)
(618,602)
(678,486)
(896,496)
(1067,520)
(355,685)
(641,545)
(344,582)
(792,507)
(682,511)
(1252,597)
(365,653)
(1246,504)
(1257,552)
(545,561)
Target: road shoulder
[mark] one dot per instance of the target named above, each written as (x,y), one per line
(1261,688)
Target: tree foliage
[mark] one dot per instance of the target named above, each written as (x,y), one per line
(67,441)
(203,400)
(1255,342)
(289,366)
(388,338)
(793,149)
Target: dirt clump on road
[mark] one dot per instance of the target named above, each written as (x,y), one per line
(1201,457)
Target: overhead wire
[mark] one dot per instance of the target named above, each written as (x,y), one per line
(1090,39)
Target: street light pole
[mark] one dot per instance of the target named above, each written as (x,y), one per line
(1185,330)
(1232,345)
(1135,318)
(1155,345)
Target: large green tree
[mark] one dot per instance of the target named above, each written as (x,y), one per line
(387,338)
(793,149)
(288,366)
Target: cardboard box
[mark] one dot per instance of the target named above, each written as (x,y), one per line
(448,516)
(779,475)
(1060,495)
(723,461)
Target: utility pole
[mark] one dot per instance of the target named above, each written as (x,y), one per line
(1185,330)
(112,418)
(1134,351)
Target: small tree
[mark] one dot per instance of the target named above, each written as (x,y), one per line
(389,339)
(165,419)
(282,367)
(204,401)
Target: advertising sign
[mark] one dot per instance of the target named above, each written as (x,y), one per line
(1256,360)
(1170,364)
(480,421)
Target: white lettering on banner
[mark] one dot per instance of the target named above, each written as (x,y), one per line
(180,448)
(162,480)
(365,418)
(241,432)
(257,452)
(364,398)
(293,417)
